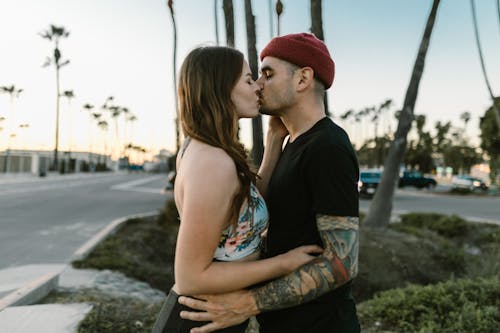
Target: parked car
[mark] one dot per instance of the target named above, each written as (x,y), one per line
(415,178)
(368,182)
(468,183)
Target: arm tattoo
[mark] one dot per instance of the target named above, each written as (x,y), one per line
(337,265)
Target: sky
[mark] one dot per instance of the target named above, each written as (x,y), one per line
(123,48)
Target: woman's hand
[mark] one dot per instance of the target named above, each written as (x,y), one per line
(299,256)
(277,128)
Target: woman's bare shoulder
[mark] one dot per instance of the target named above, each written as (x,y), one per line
(208,162)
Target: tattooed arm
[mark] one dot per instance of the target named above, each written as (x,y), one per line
(337,265)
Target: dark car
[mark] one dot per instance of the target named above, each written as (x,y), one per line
(416,179)
(368,182)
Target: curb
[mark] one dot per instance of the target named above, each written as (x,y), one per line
(37,289)
(107,231)
(31,292)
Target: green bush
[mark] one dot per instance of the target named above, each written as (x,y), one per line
(451,226)
(455,306)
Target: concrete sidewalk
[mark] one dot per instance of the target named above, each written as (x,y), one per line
(22,287)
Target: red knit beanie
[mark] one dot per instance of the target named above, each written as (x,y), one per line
(303,50)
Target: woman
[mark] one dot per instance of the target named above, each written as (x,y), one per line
(221,210)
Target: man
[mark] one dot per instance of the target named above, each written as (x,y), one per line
(312,199)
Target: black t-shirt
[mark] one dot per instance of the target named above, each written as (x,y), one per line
(316,174)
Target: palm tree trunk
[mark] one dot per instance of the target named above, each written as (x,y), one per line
(381,205)
(483,67)
(174,69)
(271,23)
(317,30)
(56,148)
(229,18)
(258,145)
(216,22)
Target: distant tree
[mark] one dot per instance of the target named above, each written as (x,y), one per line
(54,34)
(88,108)
(490,139)
(441,139)
(419,152)
(13,93)
(461,158)
(115,111)
(381,205)
(257,139)
(69,95)
(465,117)
(317,30)
(170,4)
(227,5)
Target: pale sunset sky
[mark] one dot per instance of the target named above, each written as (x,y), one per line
(123,48)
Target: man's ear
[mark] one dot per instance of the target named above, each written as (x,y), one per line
(306,78)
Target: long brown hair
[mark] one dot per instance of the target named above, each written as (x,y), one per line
(207,78)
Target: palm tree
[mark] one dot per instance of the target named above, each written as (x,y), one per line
(177,135)
(317,30)
(88,107)
(480,52)
(227,5)
(69,95)
(465,117)
(258,145)
(115,112)
(216,22)
(14,93)
(54,34)
(271,23)
(279,10)
(381,205)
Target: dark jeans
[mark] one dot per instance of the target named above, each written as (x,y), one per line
(169,320)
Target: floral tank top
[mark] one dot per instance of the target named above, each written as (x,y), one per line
(246,239)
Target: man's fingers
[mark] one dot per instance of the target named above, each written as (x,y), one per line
(196,316)
(313,249)
(211,327)
(192,303)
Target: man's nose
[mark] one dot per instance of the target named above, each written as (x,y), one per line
(259,82)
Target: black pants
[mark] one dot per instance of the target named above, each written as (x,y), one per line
(169,320)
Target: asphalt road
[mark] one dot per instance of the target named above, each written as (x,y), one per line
(45,220)
(472,207)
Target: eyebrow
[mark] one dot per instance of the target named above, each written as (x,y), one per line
(266,68)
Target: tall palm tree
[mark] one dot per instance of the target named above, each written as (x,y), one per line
(279,10)
(68,94)
(88,108)
(483,67)
(317,30)
(381,205)
(227,5)
(13,93)
(170,4)
(115,112)
(54,34)
(258,145)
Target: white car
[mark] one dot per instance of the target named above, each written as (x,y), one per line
(468,183)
